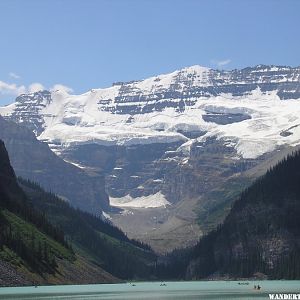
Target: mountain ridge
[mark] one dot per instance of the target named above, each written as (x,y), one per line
(151,110)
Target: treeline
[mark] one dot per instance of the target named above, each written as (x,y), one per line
(102,241)
(260,234)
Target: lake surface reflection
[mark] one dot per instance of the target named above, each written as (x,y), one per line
(210,290)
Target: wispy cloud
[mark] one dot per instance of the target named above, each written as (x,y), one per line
(9,90)
(14,75)
(61,87)
(35,87)
(221,63)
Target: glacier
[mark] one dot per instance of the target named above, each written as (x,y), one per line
(148,111)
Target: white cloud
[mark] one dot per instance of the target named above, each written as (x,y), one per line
(35,87)
(224,62)
(61,87)
(11,89)
(14,75)
(221,63)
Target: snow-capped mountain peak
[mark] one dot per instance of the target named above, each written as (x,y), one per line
(253,108)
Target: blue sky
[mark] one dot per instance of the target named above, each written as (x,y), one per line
(92,43)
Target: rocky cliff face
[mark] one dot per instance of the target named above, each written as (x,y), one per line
(182,88)
(27,110)
(178,91)
(34,160)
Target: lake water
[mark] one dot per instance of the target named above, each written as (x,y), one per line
(210,290)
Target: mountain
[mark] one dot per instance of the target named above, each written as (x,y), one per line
(32,159)
(163,108)
(170,144)
(259,237)
(32,250)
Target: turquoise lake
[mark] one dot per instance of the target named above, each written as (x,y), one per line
(153,290)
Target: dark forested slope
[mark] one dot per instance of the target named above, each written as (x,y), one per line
(261,234)
(262,231)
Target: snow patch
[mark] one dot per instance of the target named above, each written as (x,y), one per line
(151,201)
(106,216)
